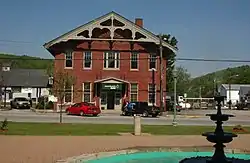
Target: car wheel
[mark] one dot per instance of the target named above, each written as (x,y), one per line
(154,115)
(81,113)
(67,112)
(95,115)
(145,114)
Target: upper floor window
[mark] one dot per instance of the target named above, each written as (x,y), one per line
(87,60)
(152,61)
(69,59)
(111,60)
(134,61)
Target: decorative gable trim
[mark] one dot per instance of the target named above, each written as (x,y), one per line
(85,31)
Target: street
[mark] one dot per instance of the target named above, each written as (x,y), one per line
(187,118)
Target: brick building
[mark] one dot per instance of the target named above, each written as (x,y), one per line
(111,57)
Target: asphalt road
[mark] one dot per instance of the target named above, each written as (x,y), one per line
(28,116)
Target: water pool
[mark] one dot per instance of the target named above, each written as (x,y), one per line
(158,157)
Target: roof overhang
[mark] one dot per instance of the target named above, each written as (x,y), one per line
(96,23)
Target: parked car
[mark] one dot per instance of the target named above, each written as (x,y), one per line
(20,103)
(140,108)
(83,108)
(170,106)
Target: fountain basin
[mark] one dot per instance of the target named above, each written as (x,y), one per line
(222,117)
(224,138)
(162,157)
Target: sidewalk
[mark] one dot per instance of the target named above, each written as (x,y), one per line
(48,149)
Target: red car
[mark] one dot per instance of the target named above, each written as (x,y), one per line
(83,108)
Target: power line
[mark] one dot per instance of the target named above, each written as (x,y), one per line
(212,60)
(14,41)
(145,58)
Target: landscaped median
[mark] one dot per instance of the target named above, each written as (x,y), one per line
(15,128)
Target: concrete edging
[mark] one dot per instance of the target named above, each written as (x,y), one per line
(87,157)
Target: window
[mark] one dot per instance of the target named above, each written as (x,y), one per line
(118,97)
(68,93)
(134,61)
(151,93)
(86,92)
(134,92)
(152,61)
(111,60)
(87,60)
(68,59)
(103,98)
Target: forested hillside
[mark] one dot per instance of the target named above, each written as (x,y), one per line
(26,62)
(236,75)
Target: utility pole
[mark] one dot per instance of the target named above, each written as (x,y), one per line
(229,102)
(200,96)
(161,76)
(153,84)
(175,101)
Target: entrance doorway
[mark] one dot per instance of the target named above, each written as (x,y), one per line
(110,100)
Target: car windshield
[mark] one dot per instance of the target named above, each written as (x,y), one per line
(76,105)
(88,104)
(21,99)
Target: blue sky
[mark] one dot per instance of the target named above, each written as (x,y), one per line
(214,29)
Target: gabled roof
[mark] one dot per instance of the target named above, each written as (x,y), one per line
(25,78)
(235,86)
(73,34)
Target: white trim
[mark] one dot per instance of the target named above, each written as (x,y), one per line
(72,96)
(156,61)
(136,90)
(111,78)
(155,94)
(83,63)
(106,55)
(90,93)
(132,69)
(72,56)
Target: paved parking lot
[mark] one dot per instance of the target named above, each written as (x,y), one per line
(185,118)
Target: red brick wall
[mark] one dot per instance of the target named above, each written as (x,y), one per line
(143,77)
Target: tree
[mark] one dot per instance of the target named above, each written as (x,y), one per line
(170,60)
(63,83)
(183,80)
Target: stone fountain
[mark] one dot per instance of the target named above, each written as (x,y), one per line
(219,137)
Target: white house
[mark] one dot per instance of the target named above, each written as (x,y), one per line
(231,91)
(29,83)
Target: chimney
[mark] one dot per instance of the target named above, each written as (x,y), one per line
(139,22)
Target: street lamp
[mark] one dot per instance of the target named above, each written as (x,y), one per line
(175,81)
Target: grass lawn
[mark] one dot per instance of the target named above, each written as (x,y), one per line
(102,129)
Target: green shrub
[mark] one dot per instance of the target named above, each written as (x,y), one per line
(49,105)
(4,125)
